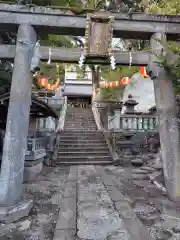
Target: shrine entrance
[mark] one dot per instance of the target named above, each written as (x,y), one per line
(79,101)
(98,30)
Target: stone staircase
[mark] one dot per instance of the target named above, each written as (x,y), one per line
(81,142)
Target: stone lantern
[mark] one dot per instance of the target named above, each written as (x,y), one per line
(130,104)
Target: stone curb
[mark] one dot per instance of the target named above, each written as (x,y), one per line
(66,221)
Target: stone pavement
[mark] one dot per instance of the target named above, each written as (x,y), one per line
(96,203)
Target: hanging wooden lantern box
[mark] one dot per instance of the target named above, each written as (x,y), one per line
(98,36)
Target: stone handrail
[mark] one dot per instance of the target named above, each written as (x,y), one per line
(62,116)
(105,133)
(138,122)
(36,143)
(97,117)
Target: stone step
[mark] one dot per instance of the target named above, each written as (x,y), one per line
(70,110)
(84,153)
(82,145)
(75,141)
(86,117)
(80,124)
(81,137)
(81,159)
(82,133)
(83,148)
(84,163)
(79,128)
(84,120)
(76,121)
(80,114)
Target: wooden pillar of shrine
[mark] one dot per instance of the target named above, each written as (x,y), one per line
(168,122)
(15,141)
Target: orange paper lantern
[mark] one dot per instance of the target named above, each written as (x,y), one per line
(125,80)
(53,87)
(143,73)
(43,81)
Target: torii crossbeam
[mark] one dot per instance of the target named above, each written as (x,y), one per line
(130,26)
(71,55)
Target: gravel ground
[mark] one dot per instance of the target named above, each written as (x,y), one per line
(47,192)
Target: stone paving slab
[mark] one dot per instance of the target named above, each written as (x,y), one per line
(70,192)
(97,217)
(65,234)
(72,174)
(135,228)
(67,214)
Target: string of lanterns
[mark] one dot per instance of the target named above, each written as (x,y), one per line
(124,80)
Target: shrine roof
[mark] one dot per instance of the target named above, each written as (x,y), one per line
(38,107)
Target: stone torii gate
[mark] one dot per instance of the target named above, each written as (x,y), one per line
(30,23)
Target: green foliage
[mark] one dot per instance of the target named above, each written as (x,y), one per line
(166,7)
(162,7)
(49,70)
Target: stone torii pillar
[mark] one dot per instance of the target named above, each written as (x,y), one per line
(168,122)
(12,207)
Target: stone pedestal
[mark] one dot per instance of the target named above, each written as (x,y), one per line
(15,212)
(15,141)
(32,169)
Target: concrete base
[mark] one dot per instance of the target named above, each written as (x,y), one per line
(31,171)
(15,212)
